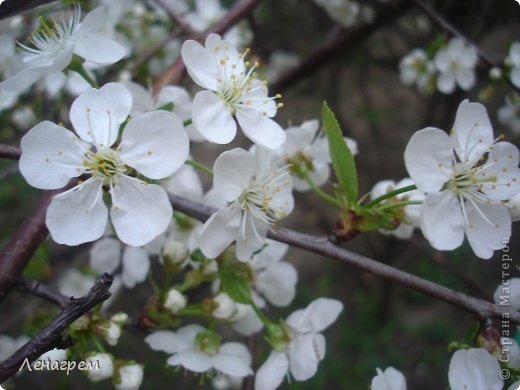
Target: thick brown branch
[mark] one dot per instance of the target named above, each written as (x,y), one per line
(33,287)
(175,73)
(479,308)
(337,43)
(51,337)
(11,152)
(13,7)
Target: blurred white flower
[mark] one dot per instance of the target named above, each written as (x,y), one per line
(100,367)
(513,60)
(301,347)
(390,379)
(466,176)
(416,68)
(456,64)
(509,114)
(344,12)
(52,155)
(175,301)
(130,377)
(51,49)
(199,350)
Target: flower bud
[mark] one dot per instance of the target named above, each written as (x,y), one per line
(174,252)
(495,73)
(100,366)
(119,318)
(111,332)
(130,377)
(175,301)
(226,306)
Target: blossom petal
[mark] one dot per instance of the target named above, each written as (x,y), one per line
(192,360)
(429,167)
(305,353)
(140,211)
(186,182)
(50,156)
(166,341)
(232,172)
(391,379)
(212,118)
(200,64)
(78,215)
(278,283)
(219,231)
(472,132)
(97,113)
(105,255)
(270,375)
(502,165)
(189,332)
(318,315)
(136,265)
(442,222)
(486,235)
(99,50)
(446,83)
(260,129)
(251,238)
(474,369)
(155,144)
(233,359)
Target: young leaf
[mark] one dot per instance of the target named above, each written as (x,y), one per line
(233,276)
(342,159)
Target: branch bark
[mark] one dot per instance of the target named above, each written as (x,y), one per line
(14,7)
(10,152)
(33,287)
(480,309)
(50,336)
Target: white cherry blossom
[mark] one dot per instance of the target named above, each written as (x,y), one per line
(474,369)
(416,68)
(509,113)
(466,177)
(259,194)
(307,150)
(513,60)
(199,350)
(51,50)
(303,346)
(231,90)
(456,65)
(153,144)
(389,379)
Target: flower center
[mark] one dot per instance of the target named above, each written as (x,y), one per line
(105,165)
(207,342)
(237,83)
(51,39)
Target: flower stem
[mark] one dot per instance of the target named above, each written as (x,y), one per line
(260,315)
(389,195)
(199,166)
(83,73)
(398,204)
(319,192)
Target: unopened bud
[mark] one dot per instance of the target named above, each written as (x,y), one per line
(119,318)
(130,377)
(100,366)
(495,73)
(226,306)
(174,252)
(175,301)
(111,332)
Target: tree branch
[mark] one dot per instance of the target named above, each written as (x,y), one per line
(40,290)
(50,336)
(175,73)
(13,7)
(337,43)
(479,308)
(11,152)
(183,24)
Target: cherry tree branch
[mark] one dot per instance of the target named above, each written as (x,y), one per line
(181,22)
(479,308)
(10,152)
(339,42)
(13,7)
(175,73)
(50,336)
(40,290)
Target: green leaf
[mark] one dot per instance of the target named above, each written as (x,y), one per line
(341,156)
(234,276)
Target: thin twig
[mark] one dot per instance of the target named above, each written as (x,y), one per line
(181,22)
(10,152)
(479,308)
(50,336)
(175,73)
(33,287)
(338,42)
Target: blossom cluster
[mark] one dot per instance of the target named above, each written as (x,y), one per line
(121,154)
